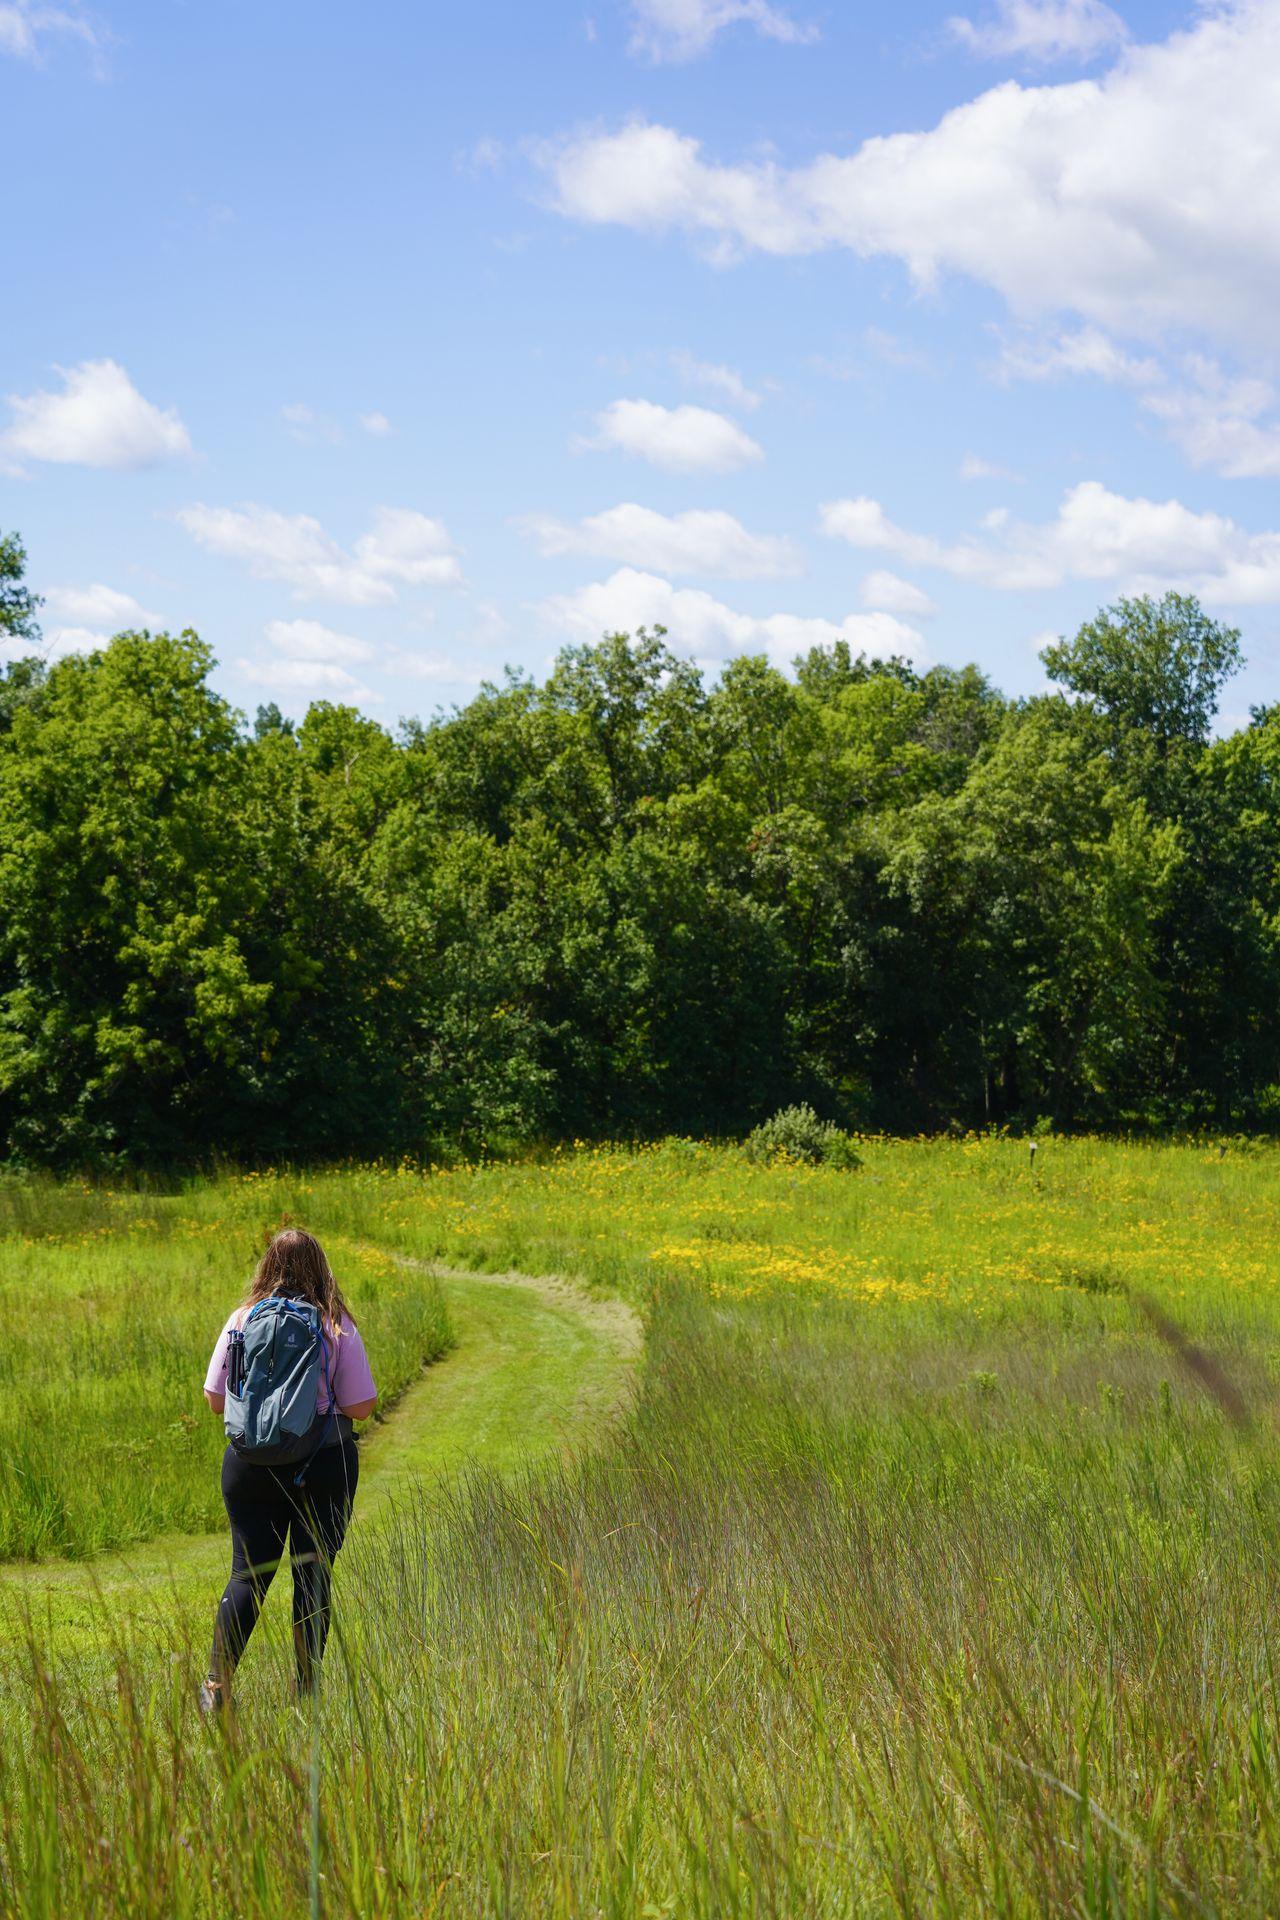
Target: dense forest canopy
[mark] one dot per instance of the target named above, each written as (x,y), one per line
(623,902)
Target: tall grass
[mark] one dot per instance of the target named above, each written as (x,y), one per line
(829,1630)
(923,1579)
(111,1297)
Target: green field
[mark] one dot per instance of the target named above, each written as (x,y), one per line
(921,1572)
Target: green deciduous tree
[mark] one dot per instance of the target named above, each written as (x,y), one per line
(1158,665)
(17,602)
(125,994)
(620,901)
(1030,958)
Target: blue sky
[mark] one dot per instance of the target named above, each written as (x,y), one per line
(388,346)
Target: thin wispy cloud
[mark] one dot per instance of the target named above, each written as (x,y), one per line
(873,349)
(403,548)
(715,377)
(1220,419)
(679,30)
(974,467)
(1041,32)
(1228,422)
(29,31)
(309,428)
(701,540)
(1040,355)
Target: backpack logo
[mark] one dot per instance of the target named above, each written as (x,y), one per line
(275,1364)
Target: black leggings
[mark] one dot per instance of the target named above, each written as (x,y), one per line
(264,1507)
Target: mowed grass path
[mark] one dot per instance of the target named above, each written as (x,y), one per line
(538,1368)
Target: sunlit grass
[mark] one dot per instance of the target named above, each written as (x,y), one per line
(922,1581)
(976,1223)
(112,1297)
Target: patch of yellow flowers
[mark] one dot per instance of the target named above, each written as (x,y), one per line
(974,1222)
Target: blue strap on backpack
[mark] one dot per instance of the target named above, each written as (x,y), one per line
(275,1364)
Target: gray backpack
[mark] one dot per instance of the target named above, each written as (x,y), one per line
(275,1364)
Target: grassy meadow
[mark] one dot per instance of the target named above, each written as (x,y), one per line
(925,1577)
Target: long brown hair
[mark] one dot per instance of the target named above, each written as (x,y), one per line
(294,1264)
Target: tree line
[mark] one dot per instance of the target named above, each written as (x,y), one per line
(621,902)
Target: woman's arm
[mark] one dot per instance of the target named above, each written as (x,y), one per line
(215,1379)
(353,1386)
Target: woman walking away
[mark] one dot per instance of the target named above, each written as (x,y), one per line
(290,1374)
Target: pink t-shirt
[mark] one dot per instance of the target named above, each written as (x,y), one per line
(348,1364)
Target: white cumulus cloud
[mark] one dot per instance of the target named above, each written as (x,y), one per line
(864,523)
(83,620)
(1142,200)
(892,594)
(98,606)
(682,29)
(711,632)
(57,642)
(1136,544)
(310,661)
(1042,30)
(97,419)
(376,424)
(308,640)
(312,679)
(702,540)
(681,439)
(403,547)
(437,669)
